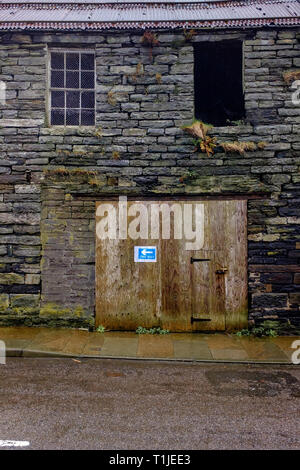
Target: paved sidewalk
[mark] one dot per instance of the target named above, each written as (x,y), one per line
(216,347)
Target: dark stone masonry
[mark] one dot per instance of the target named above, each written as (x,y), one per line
(50,177)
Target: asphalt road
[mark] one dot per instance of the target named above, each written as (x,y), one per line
(115,404)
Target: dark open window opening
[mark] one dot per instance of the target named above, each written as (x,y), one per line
(218,78)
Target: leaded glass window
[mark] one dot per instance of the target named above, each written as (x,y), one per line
(72,88)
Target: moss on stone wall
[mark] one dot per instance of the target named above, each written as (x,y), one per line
(80,175)
(25,309)
(51,322)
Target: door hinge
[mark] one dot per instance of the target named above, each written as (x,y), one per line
(196,260)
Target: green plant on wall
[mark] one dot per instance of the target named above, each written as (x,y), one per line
(270,328)
(206,144)
(239,122)
(188,176)
(266,328)
(203,142)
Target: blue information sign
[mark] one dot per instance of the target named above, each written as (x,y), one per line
(144,254)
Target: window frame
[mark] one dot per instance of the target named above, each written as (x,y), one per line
(66,50)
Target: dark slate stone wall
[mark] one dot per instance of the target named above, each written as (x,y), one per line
(138,148)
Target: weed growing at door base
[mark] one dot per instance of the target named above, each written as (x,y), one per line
(100,329)
(151,331)
(270,328)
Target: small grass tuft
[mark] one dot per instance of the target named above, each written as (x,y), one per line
(116,155)
(291,75)
(241,147)
(158,78)
(150,39)
(139,71)
(151,331)
(98,132)
(189,34)
(111,98)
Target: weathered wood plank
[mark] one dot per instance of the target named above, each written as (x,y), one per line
(176,290)
(236,306)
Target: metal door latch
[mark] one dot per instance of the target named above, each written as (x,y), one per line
(196,260)
(222,271)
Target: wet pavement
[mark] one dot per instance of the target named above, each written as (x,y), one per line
(216,347)
(67,403)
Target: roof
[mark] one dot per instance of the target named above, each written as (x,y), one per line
(161,14)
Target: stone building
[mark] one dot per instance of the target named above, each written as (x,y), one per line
(93,98)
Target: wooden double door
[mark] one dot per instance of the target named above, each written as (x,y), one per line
(198,289)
